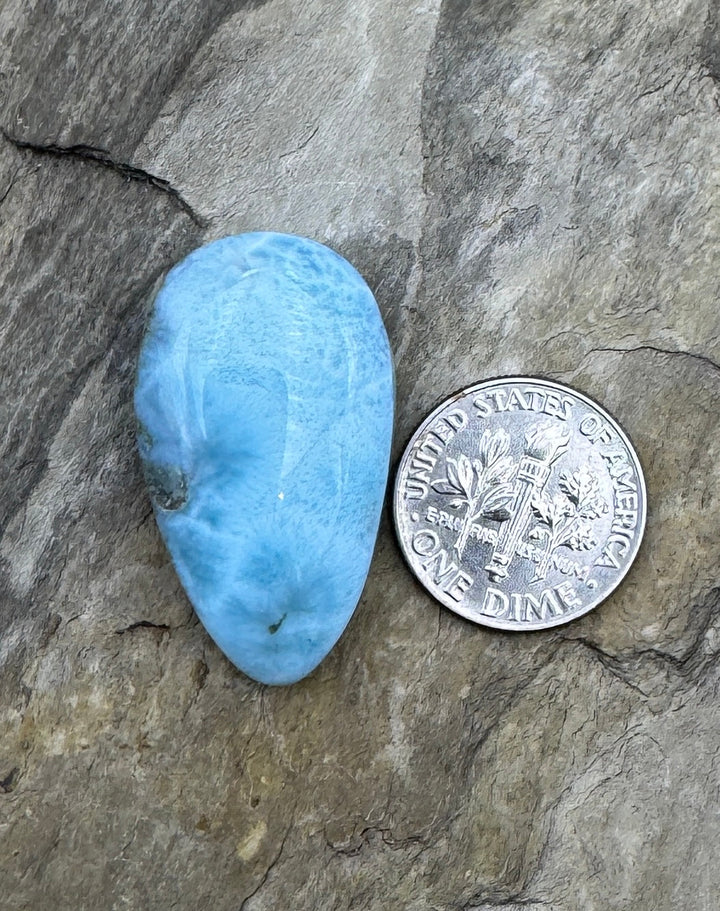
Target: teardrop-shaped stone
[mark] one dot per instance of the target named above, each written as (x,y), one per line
(264,400)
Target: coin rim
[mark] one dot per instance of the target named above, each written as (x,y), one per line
(542,381)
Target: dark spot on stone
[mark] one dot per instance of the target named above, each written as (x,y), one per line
(167,485)
(203,824)
(199,673)
(51,626)
(255,802)
(517,225)
(274,627)
(7,784)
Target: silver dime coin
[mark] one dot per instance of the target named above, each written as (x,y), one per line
(520,504)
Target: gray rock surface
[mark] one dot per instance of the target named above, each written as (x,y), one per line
(529,186)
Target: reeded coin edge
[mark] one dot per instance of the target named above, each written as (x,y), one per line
(473,615)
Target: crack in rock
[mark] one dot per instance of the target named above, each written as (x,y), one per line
(273,863)
(510,903)
(103,159)
(143,624)
(666,352)
(690,665)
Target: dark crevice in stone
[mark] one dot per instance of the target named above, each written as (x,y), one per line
(143,624)
(371,835)
(102,158)
(495,901)
(8,783)
(690,665)
(611,663)
(667,352)
(271,866)
(10,185)
(300,145)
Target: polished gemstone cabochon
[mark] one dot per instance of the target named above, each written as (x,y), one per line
(264,400)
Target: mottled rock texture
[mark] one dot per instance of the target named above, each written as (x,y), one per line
(528,186)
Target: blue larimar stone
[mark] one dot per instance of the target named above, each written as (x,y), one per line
(264,400)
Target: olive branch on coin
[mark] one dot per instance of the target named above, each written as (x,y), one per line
(482,485)
(567,515)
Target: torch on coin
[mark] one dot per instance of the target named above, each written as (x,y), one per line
(544,444)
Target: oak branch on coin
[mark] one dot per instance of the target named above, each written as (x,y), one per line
(482,485)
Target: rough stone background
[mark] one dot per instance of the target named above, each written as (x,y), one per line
(529,186)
